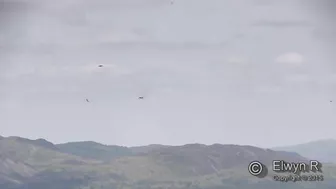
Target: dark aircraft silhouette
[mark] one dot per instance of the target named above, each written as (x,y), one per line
(140,97)
(87,100)
(100,66)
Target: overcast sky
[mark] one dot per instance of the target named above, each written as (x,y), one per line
(252,72)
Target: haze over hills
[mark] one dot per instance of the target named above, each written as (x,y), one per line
(321,150)
(39,164)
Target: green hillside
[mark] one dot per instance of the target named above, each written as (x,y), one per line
(28,164)
(93,150)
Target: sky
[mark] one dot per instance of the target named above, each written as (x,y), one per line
(252,72)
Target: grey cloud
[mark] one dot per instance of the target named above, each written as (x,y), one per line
(325,12)
(282,24)
(263,2)
(200,64)
(325,34)
(10,13)
(164,46)
(326,8)
(12,9)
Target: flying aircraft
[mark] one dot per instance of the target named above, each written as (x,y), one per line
(140,97)
(100,66)
(87,100)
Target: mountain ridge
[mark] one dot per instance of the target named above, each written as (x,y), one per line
(190,166)
(322,150)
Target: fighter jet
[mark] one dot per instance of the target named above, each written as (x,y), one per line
(140,97)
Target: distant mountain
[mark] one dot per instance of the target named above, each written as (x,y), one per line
(39,142)
(38,152)
(39,164)
(98,151)
(94,150)
(146,149)
(23,159)
(199,159)
(322,150)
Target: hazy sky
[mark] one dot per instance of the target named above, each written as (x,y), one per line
(254,72)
